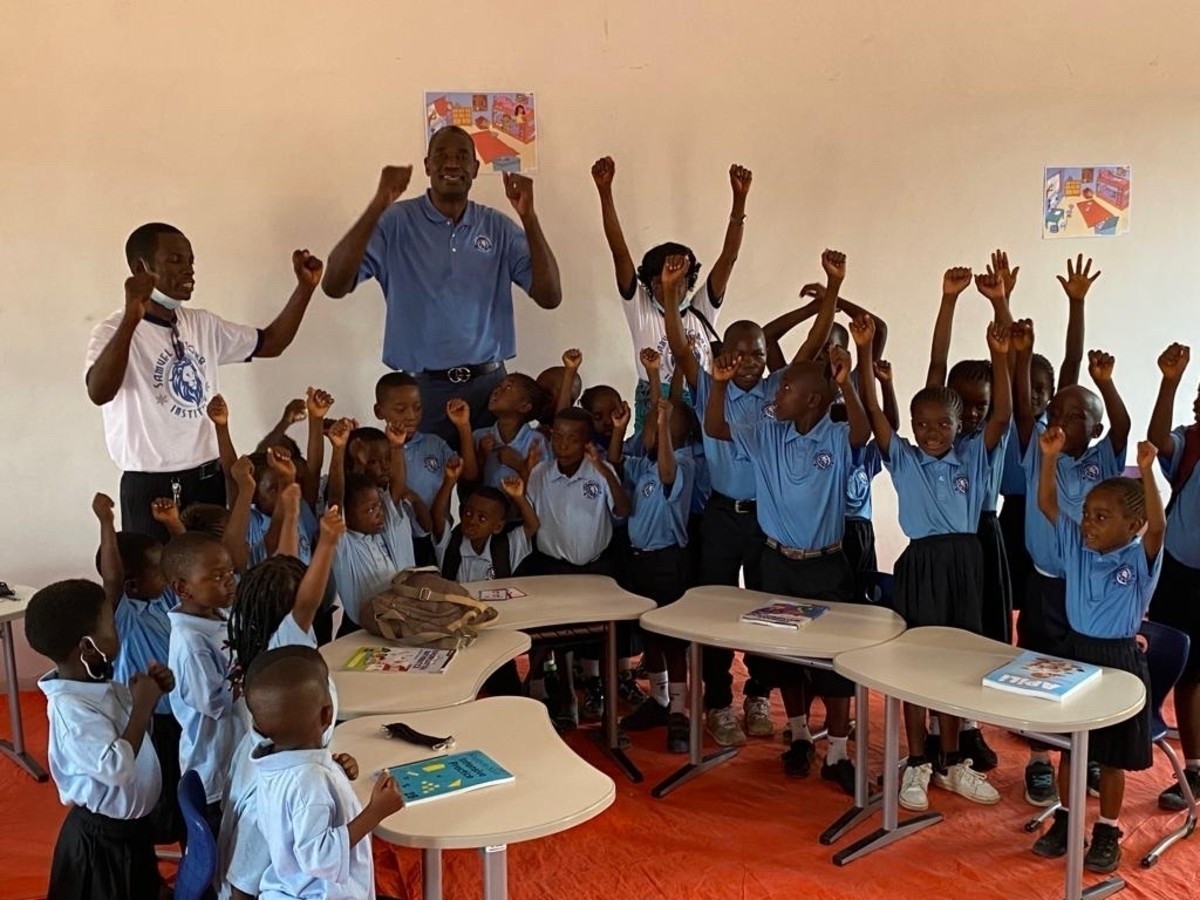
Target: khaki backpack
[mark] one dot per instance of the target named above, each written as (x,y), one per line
(423,609)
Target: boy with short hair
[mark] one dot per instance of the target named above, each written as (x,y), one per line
(503,448)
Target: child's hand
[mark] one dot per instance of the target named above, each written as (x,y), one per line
(164,511)
(385,796)
(348,764)
(725,366)
(519,190)
(839,364)
(674,271)
(510,457)
(280,461)
(956,280)
(664,408)
(1077,283)
(162,676)
(533,457)
(834,264)
(1000,267)
(488,445)
(392,182)
(295,411)
(883,371)
(333,526)
(1146,455)
(862,329)
(621,417)
(513,486)
(103,507)
(991,286)
(998,338)
(572,359)
(1020,336)
(1100,366)
(458,411)
(739,179)
(1052,441)
(318,403)
(650,358)
(592,453)
(603,172)
(243,474)
(307,267)
(339,433)
(145,689)
(218,411)
(452,470)
(1174,360)
(396,436)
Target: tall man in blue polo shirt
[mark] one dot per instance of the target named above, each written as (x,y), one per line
(447,266)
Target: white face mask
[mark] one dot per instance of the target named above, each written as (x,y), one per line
(105,667)
(164,301)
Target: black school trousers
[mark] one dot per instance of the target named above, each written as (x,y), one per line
(203,484)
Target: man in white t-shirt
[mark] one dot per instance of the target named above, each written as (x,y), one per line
(152,369)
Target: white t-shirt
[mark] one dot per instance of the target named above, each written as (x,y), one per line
(648,329)
(157,422)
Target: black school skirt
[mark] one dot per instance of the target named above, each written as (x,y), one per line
(858,543)
(997,585)
(166,820)
(1012,524)
(939,581)
(1127,744)
(98,858)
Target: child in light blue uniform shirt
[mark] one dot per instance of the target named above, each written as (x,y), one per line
(502,449)
(1110,574)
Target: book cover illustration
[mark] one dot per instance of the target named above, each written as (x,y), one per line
(785,614)
(442,776)
(1038,675)
(421,660)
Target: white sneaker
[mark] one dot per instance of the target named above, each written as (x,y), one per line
(914,787)
(723,726)
(758,716)
(966,782)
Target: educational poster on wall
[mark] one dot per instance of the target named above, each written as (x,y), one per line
(1085,201)
(503,125)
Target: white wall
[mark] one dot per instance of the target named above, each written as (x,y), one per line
(910,135)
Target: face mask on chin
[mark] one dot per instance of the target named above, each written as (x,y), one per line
(103,670)
(164,301)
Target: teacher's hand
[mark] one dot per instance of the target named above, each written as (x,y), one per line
(519,189)
(393,182)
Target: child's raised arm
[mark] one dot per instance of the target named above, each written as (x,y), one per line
(862,329)
(279,460)
(856,414)
(1000,417)
(834,264)
(459,414)
(514,487)
(718,279)
(650,362)
(419,510)
(1001,305)
(616,444)
(852,309)
(572,359)
(317,405)
(1076,286)
(1050,444)
(621,507)
(883,374)
(1172,363)
(311,591)
(295,411)
(1100,368)
(165,512)
(439,512)
(335,490)
(674,284)
(1020,338)
(954,282)
(238,527)
(603,172)
(289,530)
(667,467)
(218,413)
(775,330)
(716,425)
(397,465)
(112,570)
(1156,517)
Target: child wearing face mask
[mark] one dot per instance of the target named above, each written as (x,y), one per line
(104,767)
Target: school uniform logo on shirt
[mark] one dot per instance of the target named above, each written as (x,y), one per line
(432,464)
(769,411)
(483,244)
(179,381)
(1090,471)
(961,484)
(489,574)
(1124,576)
(823,459)
(648,488)
(591,489)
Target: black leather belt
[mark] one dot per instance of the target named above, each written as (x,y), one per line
(741,507)
(463,374)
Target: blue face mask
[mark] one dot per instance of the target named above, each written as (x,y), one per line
(164,301)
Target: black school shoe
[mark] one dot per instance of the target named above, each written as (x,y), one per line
(650,714)
(972,746)
(1172,798)
(1105,853)
(679,733)
(797,759)
(841,773)
(1053,844)
(1040,787)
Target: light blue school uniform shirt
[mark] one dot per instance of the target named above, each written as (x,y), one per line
(1107,593)
(1012,478)
(868,462)
(304,808)
(260,523)
(730,475)
(660,511)
(991,497)
(203,699)
(1183,524)
(425,458)
(940,496)
(800,479)
(93,766)
(575,511)
(1076,478)
(365,564)
(493,471)
(478,566)
(702,479)
(145,633)
(448,285)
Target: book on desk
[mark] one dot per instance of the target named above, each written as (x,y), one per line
(1041,675)
(785,614)
(444,776)
(423,660)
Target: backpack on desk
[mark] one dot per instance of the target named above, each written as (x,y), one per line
(423,609)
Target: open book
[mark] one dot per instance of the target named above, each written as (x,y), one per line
(785,614)
(1040,675)
(441,776)
(400,659)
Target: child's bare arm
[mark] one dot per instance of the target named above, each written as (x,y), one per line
(667,466)
(603,172)
(311,591)
(317,406)
(862,330)
(1172,363)
(1021,341)
(616,444)
(778,328)
(674,284)
(397,465)
(112,570)
(718,280)
(716,424)
(852,309)
(856,413)
(572,360)
(621,505)
(439,512)
(459,414)
(238,527)
(650,362)
(218,413)
(289,531)
(954,282)
(834,264)
(1156,517)
(164,511)
(1076,286)
(1050,445)
(335,490)
(514,487)
(280,462)
(1100,368)
(676,389)
(883,374)
(1000,417)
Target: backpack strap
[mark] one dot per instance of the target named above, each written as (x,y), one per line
(425,594)
(452,558)
(707,324)
(501,556)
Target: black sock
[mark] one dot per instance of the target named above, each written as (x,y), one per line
(950,758)
(914,761)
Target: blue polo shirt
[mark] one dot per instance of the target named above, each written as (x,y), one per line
(702,482)
(425,458)
(260,524)
(731,475)
(1076,477)
(575,511)
(940,496)
(992,490)
(1183,524)
(660,511)
(800,479)
(1012,478)
(868,462)
(448,285)
(1107,593)
(145,633)
(493,471)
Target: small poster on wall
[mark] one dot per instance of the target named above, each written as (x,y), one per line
(503,125)
(1085,201)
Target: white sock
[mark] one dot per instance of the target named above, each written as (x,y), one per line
(591,668)
(968,725)
(799,726)
(837,750)
(537,688)
(935,726)
(658,688)
(624,666)
(677,696)
(1193,765)
(1104,821)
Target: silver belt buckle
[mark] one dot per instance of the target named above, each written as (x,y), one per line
(459,374)
(742,507)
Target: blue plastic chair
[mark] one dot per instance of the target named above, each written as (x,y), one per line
(1166,656)
(199,864)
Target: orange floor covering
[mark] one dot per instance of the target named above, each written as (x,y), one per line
(740,831)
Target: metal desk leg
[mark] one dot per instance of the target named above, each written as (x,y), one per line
(495,872)
(893,829)
(15,749)
(865,805)
(1077,804)
(697,763)
(611,736)
(431,875)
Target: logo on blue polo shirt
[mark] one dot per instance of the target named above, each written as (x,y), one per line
(823,459)
(591,489)
(432,464)
(962,484)
(1124,576)
(1090,472)
(483,244)
(648,488)
(769,410)
(489,574)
